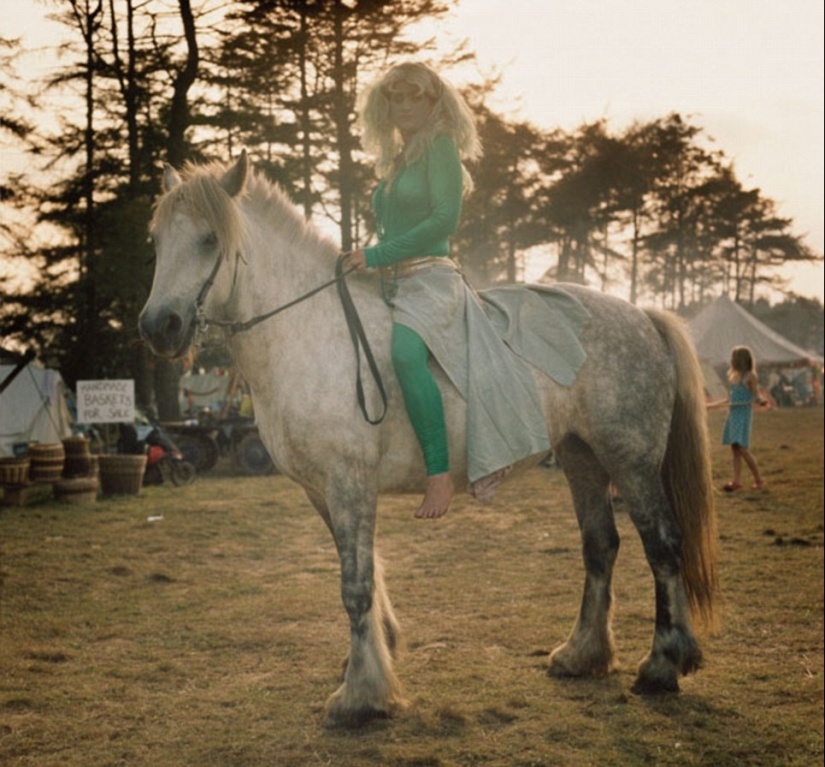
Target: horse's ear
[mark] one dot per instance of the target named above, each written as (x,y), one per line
(234,179)
(170,177)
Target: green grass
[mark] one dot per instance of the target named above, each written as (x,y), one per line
(212,637)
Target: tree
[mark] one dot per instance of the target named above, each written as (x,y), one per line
(281,78)
(578,200)
(640,163)
(499,222)
(302,64)
(95,273)
(797,318)
(683,166)
(13,126)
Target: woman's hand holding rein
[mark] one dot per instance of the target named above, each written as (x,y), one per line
(355,259)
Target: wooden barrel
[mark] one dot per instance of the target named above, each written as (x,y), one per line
(14,472)
(46,461)
(78,458)
(121,474)
(79,490)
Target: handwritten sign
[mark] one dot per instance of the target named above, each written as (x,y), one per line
(106,401)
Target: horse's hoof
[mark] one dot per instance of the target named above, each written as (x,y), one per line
(558,671)
(566,663)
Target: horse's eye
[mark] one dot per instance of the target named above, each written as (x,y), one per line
(150,241)
(210,240)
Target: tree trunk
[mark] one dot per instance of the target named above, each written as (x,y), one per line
(167,373)
(177,148)
(89,312)
(305,115)
(342,130)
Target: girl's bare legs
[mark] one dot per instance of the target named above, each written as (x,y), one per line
(753,466)
(741,454)
(737,464)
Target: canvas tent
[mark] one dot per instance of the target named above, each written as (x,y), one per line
(32,404)
(724,324)
(715,386)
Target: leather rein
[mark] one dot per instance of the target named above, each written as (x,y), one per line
(354,324)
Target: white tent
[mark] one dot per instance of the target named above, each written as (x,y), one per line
(724,324)
(32,406)
(715,387)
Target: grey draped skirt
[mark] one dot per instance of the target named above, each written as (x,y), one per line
(484,345)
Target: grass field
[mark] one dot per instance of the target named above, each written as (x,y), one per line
(212,637)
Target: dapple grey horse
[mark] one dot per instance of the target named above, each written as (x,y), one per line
(230,246)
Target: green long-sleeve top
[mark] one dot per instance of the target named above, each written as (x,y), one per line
(422,208)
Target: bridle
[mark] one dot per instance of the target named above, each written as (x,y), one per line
(356,328)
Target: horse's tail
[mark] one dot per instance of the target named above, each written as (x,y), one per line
(686,473)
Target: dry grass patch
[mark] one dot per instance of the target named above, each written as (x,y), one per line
(213,636)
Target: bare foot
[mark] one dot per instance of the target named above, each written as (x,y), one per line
(437,497)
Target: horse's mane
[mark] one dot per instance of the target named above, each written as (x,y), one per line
(201,195)
(274,203)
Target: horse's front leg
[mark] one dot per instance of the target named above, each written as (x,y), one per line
(370,688)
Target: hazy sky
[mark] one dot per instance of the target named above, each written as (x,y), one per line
(750,72)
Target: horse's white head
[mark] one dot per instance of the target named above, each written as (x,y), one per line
(196,227)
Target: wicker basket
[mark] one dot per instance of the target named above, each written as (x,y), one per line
(14,471)
(121,474)
(78,459)
(46,462)
(16,496)
(80,490)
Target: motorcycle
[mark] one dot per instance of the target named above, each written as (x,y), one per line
(163,458)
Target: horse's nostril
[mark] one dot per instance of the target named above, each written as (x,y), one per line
(174,324)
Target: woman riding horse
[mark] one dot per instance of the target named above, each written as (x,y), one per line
(421,130)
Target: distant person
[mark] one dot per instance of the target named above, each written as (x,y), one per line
(803,386)
(783,391)
(744,391)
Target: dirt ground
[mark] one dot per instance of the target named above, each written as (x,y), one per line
(211,634)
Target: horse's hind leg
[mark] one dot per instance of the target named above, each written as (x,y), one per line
(590,650)
(675,650)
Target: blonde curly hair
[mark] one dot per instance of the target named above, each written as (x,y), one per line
(450,115)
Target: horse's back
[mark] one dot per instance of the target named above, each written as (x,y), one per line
(623,394)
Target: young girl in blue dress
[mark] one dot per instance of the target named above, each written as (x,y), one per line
(744,392)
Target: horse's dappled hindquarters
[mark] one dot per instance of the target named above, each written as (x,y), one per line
(230,246)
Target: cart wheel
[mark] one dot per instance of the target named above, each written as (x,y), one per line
(182,473)
(252,457)
(201,452)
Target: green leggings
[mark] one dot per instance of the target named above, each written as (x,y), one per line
(422,397)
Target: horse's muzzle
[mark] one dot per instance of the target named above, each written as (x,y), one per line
(167,332)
